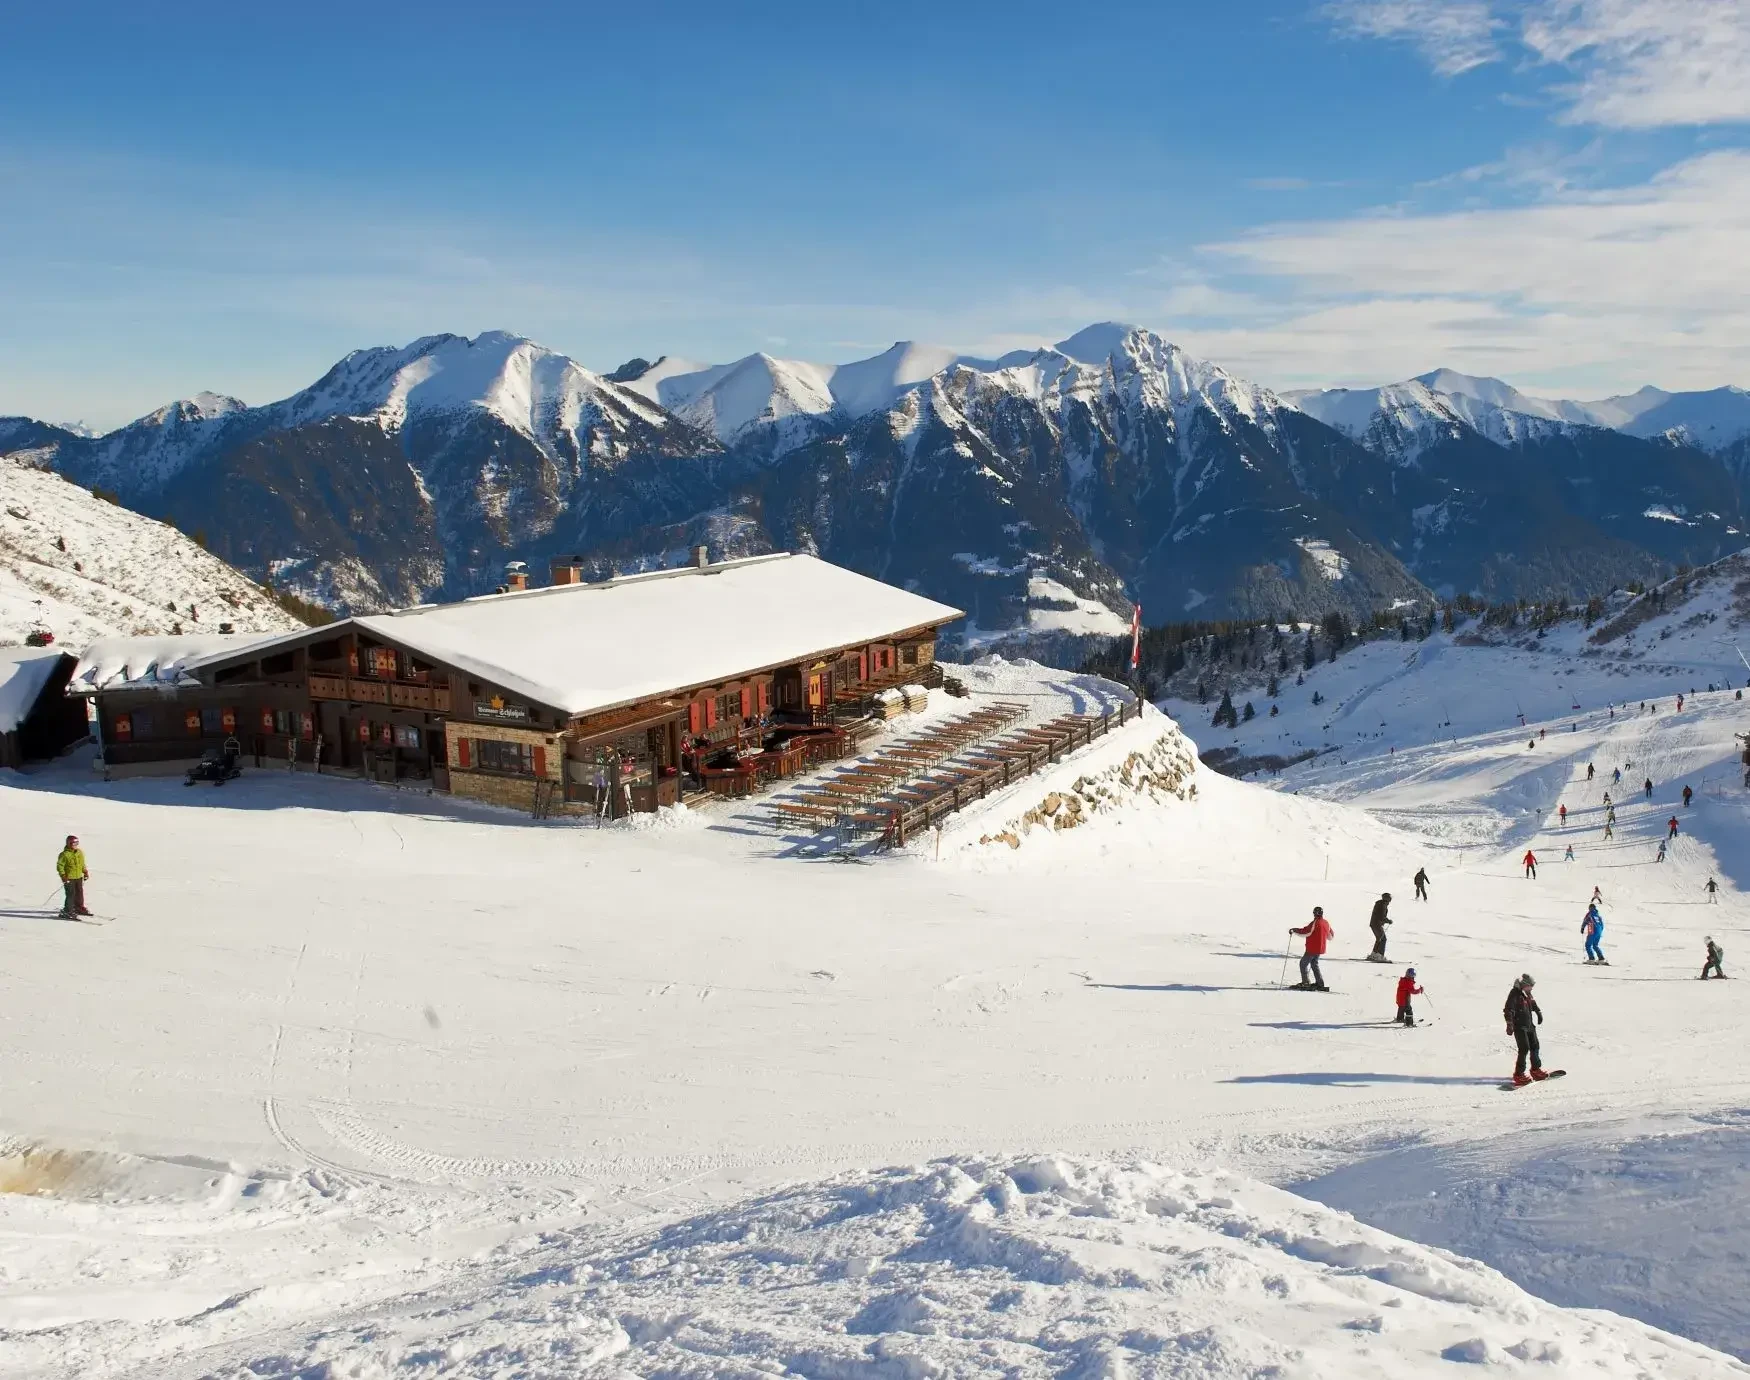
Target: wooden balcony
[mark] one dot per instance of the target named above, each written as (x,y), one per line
(434,699)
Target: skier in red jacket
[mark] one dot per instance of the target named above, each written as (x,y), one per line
(1318,934)
(1530,861)
(1406,989)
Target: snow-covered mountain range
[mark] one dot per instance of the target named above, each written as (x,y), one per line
(1044,490)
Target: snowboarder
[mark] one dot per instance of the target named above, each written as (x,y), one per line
(1593,928)
(1562,810)
(1421,881)
(1716,957)
(1530,861)
(1377,922)
(1671,825)
(70,868)
(1687,794)
(1318,935)
(1406,989)
(1523,1016)
(1713,892)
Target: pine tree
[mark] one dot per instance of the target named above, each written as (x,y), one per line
(1225,713)
(1249,713)
(1312,657)
(1274,688)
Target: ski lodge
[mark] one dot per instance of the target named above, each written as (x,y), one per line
(37,721)
(607,697)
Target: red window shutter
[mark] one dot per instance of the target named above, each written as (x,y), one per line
(711,713)
(124,726)
(695,717)
(765,696)
(267,721)
(862,666)
(746,703)
(462,753)
(540,761)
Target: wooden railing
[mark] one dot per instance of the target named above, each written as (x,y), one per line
(368,690)
(904,822)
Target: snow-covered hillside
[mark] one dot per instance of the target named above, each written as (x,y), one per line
(84,568)
(414,1112)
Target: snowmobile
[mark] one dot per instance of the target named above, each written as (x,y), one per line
(217,765)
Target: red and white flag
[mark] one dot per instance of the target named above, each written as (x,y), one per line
(1136,637)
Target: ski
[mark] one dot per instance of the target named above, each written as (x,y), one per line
(1552,1073)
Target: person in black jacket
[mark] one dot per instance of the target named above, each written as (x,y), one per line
(1377,923)
(1421,880)
(1523,1016)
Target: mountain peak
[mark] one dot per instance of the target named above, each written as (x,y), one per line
(1097,343)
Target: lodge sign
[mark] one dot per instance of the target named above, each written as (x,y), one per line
(501,710)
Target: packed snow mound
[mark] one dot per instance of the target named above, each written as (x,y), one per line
(970,1267)
(84,569)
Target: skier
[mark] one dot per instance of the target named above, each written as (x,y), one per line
(1530,861)
(1421,881)
(1523,1016)
(1647,786)
(1687,793)
(1569,855)
(1406,989)
(1713,892)
(1661,854)
(1597,897)
(1680,704)
(1616,777)
(1562,810)
(1716,957)
(70,868)
(1671,824)
(1610,828)
(1607,800)
(1593,928)
(1377,922)
(1318,934)
(1589,770)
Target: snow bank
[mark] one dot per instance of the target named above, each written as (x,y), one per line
(1024,1268)
(149,661)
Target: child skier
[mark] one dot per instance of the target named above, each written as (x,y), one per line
(1318,934)
(1713,892)
(1660,856)
(1523,1016)
(1593,928)
(1406,989)
(1716,957)
(70,868)
(1569,855)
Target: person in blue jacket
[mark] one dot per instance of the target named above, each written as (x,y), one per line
(1593,928)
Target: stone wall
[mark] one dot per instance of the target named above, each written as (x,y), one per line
(498,788)
(1161,770)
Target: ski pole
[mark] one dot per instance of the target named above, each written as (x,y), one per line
(1283,980)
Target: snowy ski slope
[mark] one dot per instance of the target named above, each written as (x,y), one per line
(87,569)
(477,1096)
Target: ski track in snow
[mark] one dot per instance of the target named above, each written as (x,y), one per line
(395,1116)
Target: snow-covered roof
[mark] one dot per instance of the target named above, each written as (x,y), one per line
(583,648)
(140,663)
(24,671)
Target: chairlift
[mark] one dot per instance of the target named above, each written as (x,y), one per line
(40,634)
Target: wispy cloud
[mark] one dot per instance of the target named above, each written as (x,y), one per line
(1611,286)
(1624,64)
(1642,64)
(1452,35)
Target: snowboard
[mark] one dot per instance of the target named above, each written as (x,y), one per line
(1511,1086)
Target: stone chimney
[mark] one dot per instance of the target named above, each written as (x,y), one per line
(701,556)
(516,576)
(567,570)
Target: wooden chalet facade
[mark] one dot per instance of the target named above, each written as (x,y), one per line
(500,698)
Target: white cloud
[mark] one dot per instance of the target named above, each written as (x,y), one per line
(1642,64)
(1609,288)
(1630,64)
(1453,35)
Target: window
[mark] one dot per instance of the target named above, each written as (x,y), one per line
(212,721)
(381,662)
(492,755)
(728,706)
(282,721)
(142,724)
(407,738)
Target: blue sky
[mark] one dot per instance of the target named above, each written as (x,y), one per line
(1557,191)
